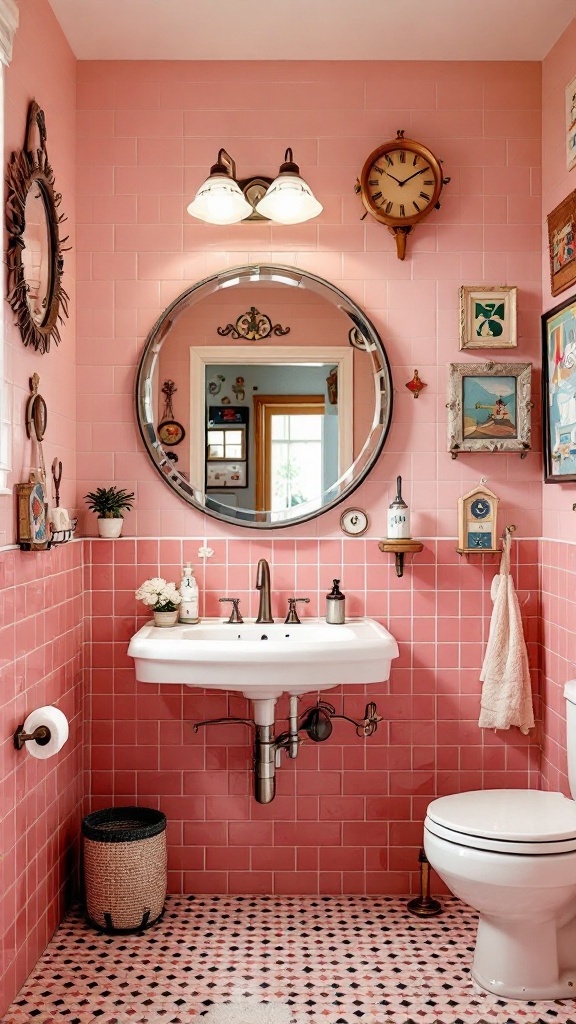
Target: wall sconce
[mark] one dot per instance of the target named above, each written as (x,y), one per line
(222,199)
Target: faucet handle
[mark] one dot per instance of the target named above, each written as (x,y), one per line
(292,613)
(235,615)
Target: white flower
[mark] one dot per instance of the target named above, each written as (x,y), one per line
(159,595)
(205,552)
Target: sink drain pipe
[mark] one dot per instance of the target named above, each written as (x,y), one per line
(265,751)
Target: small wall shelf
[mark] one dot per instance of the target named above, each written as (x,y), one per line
(479,551)
(399,548)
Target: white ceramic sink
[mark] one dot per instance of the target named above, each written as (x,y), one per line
(263,661)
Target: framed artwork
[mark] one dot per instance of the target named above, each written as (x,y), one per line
(171,432)
(227,414)
(488,316)
(489,407)
(571,125)
(559,392)
(226,474)
(561,229)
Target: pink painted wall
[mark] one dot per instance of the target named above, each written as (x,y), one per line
(558,580)
(41,594)
(349,815)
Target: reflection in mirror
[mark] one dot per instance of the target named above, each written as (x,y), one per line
(275,431)
(36,253)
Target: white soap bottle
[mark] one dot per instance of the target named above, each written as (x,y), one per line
(188,608)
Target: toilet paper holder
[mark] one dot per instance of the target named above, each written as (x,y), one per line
(41,735)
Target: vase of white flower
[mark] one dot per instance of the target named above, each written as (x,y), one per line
(162,598)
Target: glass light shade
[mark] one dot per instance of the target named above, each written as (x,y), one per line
(220,201)
(289,200)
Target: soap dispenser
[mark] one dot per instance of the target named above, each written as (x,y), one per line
(188,609)
(335,605)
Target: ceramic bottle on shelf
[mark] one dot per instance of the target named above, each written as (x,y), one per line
(398,516)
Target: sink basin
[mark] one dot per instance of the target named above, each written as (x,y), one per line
(263,661)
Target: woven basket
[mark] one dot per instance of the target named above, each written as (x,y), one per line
(124,868)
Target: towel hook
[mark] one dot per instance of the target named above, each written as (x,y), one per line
(508,529)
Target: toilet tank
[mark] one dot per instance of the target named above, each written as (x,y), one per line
(570,695)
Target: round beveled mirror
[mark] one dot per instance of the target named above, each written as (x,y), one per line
(263,396)
(34,257)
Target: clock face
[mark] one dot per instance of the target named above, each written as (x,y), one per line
(354,522)
(401,182)
(480,508)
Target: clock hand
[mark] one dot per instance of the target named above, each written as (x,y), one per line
(394,179)
(421,171)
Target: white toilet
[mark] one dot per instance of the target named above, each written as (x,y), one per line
(511,854)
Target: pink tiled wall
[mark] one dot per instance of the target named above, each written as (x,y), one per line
(41,594)
(147,134)
(41,662)
(559,516)
(348,813)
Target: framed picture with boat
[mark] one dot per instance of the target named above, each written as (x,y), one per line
(489,407)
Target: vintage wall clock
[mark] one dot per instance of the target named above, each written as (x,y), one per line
(478,521)
(400,184)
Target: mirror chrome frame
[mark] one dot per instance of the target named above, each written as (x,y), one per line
(365,336)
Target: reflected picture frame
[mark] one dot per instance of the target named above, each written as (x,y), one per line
(489,407)
(561,248)
(220,475)
(488,316)
(559,392)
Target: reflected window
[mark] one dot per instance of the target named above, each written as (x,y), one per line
(290,451)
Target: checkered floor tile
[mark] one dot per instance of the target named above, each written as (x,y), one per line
(308,960)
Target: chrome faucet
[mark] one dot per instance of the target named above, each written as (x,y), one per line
(263,585)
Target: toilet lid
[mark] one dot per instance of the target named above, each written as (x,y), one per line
(516,815)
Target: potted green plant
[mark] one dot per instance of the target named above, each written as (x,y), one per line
(108,504)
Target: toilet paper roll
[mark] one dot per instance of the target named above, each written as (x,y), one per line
(59,518)
(58,725)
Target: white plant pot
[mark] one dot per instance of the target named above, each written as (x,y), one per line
(166,618)
(110,528)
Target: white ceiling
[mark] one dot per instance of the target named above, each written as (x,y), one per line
(313,29)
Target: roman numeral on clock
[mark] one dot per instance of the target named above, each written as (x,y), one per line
(402,210)
(372,181)
(376,195)
(389,206)
(402,157)
(424,195)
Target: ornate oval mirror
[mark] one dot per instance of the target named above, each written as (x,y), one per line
(34,257)
(263,396)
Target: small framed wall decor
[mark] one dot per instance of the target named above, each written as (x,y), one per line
(489,407)
(226,474)
(559,392)
(488,316)
(571,125)
(561,230)
(477,521)
(171,432)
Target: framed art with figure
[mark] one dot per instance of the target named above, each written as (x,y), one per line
(488,316)
(489,407)
(559,392)
(561,232)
